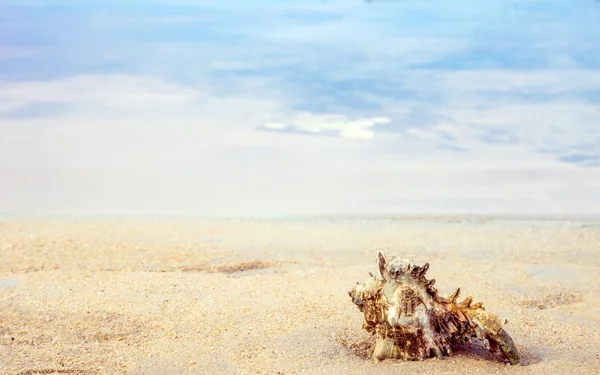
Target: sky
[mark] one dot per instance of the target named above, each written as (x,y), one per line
(254,108)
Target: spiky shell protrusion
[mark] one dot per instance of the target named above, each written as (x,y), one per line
(413,322)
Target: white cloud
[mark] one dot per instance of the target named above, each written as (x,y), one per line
(323,124)
(356,134)
(276,126)
(117,91)
(564,121)
(9,105)
(421,133)
(475,102)
(206,158)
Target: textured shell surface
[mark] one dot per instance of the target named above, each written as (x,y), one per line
(412,321)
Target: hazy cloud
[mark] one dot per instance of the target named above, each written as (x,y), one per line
(586,160)
(451,147)
(16,110)
(194,106)
(499,136)
(117,91)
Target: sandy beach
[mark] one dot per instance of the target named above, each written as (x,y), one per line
(176,296)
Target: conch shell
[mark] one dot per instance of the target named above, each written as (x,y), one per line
(412,321)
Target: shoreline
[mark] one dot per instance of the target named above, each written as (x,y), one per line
(450,217)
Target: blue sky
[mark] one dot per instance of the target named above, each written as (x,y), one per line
(300,107)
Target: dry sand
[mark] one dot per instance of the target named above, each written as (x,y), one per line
(270,296)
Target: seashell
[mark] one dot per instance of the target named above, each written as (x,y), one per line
(412,321)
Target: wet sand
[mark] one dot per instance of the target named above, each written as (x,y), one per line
(174,296)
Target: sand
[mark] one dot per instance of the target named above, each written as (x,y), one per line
(175,296)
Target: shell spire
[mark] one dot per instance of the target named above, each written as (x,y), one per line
(454,296)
